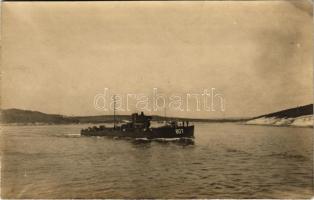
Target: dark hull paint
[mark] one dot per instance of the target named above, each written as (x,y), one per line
(152,133)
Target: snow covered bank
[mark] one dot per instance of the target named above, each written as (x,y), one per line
(302,121)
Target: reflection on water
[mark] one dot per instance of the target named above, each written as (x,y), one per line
(178,141)
(226,160)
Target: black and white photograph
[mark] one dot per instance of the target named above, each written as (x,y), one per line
(156,99)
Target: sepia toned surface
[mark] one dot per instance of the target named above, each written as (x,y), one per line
(257,54)
(233,64)
(252,162)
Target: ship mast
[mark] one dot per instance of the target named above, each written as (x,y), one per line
(165,114)
(114,111)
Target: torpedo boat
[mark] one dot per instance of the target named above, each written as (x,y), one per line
(140,128)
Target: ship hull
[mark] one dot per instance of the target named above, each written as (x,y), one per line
(152,133)
(172,132)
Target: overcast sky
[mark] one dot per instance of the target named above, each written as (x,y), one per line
(58,55)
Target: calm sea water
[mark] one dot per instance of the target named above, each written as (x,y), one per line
(226,161)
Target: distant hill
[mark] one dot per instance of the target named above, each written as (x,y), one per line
(292,112)
(299,116)
(27,116)
(18,116)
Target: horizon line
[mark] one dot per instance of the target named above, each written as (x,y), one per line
(231,117)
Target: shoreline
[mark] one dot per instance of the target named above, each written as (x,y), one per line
(214,122)
(305,121)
